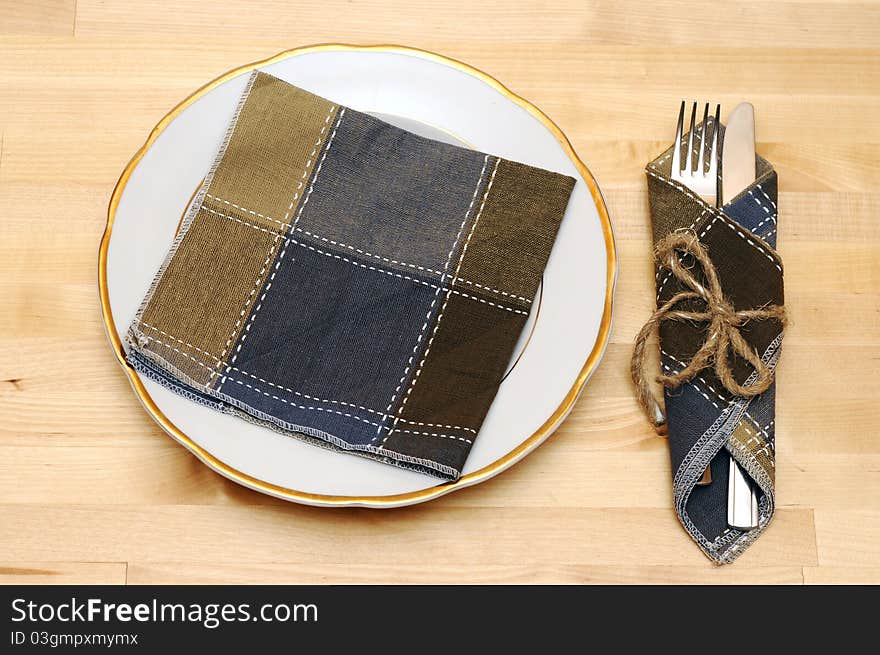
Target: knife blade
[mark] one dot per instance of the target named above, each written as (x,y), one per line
(738,173)
(738,152)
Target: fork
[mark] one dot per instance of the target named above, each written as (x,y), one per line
(701,181)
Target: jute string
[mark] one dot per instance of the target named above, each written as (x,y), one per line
(724,337)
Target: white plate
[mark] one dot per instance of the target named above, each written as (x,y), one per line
(437,97)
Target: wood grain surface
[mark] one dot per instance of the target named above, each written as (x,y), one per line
(91,490)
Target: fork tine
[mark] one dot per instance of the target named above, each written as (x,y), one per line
(676,147)
(690,153)
(701,163)
(713,156)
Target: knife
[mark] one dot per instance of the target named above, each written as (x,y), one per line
(737,173)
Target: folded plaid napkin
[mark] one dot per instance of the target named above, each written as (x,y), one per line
(720,316)
(347,282)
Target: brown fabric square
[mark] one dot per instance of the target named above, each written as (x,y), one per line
(509,249)
(459,378)
(751,276)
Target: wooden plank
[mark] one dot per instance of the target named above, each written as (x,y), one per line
(851,575)
(848,538)
(437,533)
(351,573)
(30,573)
(157,470)
(629,22)
(37,17)
(148,76)
(829,482)
(843,162)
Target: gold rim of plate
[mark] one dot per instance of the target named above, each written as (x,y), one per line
(393,500)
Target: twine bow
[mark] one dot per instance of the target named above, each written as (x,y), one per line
(724,334)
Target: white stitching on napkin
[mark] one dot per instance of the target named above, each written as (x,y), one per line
(250,211)
(244,309)
(367,266)
(759,203)
(434,301)
(302,206)
(464,248)
(199,350)
(669,274)
(438,425)
(696,387)
(718,395)
(263,270)
(438,287)
(769,199)
(718,214)
(288,389)
(433,434)
(345,245)
(771,216)
(202,364)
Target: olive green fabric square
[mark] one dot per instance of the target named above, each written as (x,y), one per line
(271,153)
(199,304)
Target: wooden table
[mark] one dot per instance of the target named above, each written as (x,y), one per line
(92,491)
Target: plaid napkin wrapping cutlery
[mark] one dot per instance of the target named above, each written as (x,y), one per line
(347,282)
(736,246)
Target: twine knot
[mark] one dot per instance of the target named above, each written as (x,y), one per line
(723,334)
(725,311)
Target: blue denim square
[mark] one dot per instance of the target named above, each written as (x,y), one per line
(334,336)
(377,200)
(756,210)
